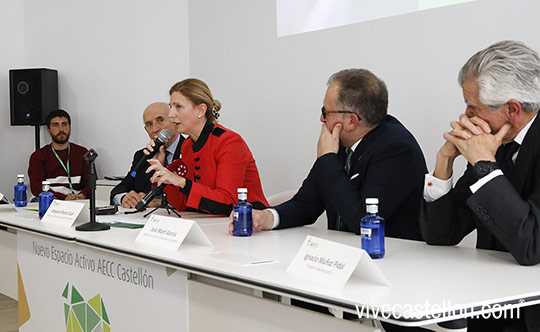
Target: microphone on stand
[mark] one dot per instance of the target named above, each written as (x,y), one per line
(153,193)
(163,137)
(178,167)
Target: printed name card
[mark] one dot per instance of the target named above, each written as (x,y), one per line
(8,208)
(170,233)
(64,213)
(332,264)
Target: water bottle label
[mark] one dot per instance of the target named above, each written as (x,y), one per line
(243,224)
(20,198)
(366,232)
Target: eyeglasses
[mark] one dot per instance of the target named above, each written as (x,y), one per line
(324,112)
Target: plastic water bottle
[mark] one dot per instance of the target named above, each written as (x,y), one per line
(372,230)
(243,220)
(20,199)
(45,198)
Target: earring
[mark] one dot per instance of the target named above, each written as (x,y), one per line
(200,116)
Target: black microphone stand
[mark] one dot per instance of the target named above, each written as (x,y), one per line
(164,205)
(92,225)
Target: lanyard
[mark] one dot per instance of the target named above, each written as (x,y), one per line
(63,165)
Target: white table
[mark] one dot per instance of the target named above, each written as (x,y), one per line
(427,283)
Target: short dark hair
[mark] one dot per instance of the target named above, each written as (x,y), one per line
(363,93)
(57,113)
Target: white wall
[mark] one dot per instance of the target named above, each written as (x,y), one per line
(113,58)
(14,141)
(272,88)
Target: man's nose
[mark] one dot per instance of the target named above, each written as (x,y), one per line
(156,128)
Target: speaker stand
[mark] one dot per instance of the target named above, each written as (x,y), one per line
(36,133)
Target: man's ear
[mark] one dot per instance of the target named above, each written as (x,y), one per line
(514,110)
(352,121)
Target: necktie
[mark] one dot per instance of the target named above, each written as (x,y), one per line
(166,161)
(505,160)
(340,225)
(348,160)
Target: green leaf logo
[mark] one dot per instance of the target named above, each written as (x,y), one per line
(81,316)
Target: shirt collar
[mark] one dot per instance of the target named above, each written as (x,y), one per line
(172,147)
(355,145)
(523,132)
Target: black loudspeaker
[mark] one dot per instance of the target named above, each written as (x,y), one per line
(33,95)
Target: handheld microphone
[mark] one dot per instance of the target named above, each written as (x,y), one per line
(163,137)
(178,167)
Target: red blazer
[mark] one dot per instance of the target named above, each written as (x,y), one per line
(218,164)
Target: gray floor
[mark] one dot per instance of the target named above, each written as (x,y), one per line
(8,314)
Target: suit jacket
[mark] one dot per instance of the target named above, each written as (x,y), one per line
(505,212)
(141,182)
(218,163)
(387,164)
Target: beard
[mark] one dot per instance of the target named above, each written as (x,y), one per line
(60,138)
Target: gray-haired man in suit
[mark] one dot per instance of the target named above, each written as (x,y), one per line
(499,194)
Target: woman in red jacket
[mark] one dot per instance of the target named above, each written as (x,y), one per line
(218,160)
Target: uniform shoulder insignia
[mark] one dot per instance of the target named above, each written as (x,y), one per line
(218,131)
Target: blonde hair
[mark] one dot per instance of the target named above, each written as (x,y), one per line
(197,92)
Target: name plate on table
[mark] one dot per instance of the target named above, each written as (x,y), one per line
(170,233)
(6,207)
(332,264)
(65,213)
